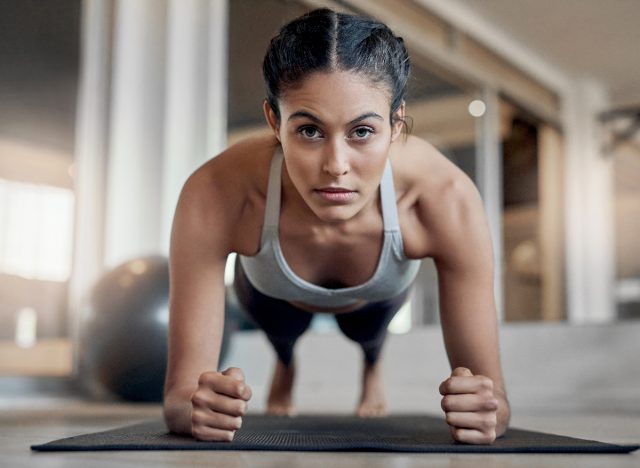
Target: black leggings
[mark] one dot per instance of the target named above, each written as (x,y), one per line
(284,323)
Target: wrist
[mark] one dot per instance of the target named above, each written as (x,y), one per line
(503,415)
(177,411)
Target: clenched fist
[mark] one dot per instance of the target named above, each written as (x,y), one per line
(218,404)
(470,407)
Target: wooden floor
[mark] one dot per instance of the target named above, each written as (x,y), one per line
(28,421)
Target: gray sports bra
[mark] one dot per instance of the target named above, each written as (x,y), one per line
(270,274)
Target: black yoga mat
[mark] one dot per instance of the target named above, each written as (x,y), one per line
(398,433)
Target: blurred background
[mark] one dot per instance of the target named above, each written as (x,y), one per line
(106,106)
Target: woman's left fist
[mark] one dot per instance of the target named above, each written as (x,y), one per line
(470,407)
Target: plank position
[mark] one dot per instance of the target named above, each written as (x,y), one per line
(330,212)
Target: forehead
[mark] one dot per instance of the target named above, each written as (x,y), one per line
(336,93)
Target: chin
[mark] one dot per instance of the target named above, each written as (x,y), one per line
(335,214)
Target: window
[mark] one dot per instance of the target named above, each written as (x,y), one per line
(36,229)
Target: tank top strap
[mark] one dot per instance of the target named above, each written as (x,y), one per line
(388,200)
(274,188)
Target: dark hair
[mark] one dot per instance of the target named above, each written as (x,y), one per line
(324,40)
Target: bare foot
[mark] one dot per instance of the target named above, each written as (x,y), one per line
(280,402)
(372,400)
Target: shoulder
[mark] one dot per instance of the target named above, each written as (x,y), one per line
(422,169)
(243,162)
(234,174)
(221,192)
(441,202)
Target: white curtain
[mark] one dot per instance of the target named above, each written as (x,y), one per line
(151,109)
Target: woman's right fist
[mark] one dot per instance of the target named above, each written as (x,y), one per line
(218,404)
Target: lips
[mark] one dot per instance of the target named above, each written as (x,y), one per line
(334,189)
(336,194)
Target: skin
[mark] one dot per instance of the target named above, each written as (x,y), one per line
(335,129)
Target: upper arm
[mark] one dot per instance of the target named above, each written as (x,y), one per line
(199,247)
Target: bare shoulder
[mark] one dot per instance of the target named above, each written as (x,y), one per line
(440,204)
(239,167)
(418,165)
(227,190)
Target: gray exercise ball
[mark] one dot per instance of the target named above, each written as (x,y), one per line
(124,336)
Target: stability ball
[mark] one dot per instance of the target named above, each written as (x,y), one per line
(123,346)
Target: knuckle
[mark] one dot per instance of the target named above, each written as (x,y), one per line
(446,403)
(230,423)
(486,383)
(218,434)
(449,418)
(488,421)
(242,408)
(202,379)
(198,400)
(202,433)
(237,423)
(446,385)
(203,399)
(490,437)
(491,404)
(205,378)
(196,432)
(237,371)
(196,419)
(224,436)
(486,395)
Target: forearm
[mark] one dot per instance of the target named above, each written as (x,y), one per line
(177,410)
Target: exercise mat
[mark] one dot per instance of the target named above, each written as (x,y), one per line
(396,433)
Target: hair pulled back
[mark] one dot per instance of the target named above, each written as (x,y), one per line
(324,41)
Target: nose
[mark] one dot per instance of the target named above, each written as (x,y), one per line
(336,162)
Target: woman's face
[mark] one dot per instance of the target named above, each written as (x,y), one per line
(335,132)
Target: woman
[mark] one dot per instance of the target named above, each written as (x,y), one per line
(330,212)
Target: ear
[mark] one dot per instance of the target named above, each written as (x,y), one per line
(272,118)
(398,123)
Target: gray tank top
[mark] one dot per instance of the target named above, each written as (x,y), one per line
(270,274)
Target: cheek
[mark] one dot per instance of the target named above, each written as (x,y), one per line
(374,160)
(301,165)
(302,172)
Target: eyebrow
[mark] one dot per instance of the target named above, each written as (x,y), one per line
(307,115)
